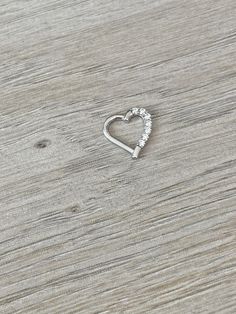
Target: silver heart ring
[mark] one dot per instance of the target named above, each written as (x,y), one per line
(134,112)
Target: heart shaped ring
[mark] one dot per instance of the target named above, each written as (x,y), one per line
(134,112)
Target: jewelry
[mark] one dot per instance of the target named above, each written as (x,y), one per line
(134,112)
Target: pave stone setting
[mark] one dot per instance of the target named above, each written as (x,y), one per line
(147,120)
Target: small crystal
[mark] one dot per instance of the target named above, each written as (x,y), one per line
(147,116)
(135,111)
(148,130)
(142,112)
(141,143)
(148,123)
(145,137)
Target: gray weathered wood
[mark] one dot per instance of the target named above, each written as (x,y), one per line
(84,228)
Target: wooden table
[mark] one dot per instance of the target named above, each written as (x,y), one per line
(84,228)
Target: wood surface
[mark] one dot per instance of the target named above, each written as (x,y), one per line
(84,228)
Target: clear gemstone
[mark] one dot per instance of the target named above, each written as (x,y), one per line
(141,143)
(148,130)
(148,123)
(145,137)
(142,112)
(147,116)
(135,110)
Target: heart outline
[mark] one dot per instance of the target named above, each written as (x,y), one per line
(134,112)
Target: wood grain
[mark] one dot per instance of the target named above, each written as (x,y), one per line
(84,228)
